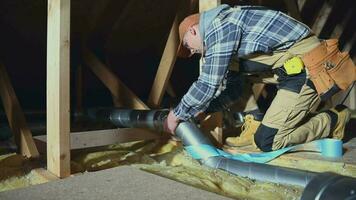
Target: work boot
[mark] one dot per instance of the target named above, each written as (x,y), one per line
(343,116)
(248,130)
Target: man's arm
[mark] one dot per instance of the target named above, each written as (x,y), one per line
(217,58)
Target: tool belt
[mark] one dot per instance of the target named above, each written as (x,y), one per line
(329,69)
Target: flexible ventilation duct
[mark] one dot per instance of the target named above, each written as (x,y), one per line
(317,186)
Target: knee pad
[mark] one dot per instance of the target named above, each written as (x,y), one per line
(264,137)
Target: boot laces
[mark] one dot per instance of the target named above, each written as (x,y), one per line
(247,124)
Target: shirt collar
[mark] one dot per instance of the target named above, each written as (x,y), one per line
(206,19)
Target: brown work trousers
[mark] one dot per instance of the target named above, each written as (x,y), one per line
(289,111)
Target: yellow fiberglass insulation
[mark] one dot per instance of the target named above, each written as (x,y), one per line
(164,159)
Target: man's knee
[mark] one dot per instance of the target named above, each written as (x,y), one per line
(264,137)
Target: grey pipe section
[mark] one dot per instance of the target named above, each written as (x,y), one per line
(330,186)
(151,119)
(190,135)
(324,186)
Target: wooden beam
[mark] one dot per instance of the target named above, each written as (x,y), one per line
(15,117)
(322,17)
(169,56)
(301,4)
(117,88)
(292,7)
(170,90)
(58,87)
(340,27)
(165,67)
(349,43)
(208,4)
(86,139)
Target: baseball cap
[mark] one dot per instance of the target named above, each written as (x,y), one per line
(183,28)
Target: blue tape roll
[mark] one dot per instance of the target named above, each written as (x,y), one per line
(331,148)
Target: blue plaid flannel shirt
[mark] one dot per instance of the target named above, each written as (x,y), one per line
(238,31)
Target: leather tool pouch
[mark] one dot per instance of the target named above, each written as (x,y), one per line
(329,69)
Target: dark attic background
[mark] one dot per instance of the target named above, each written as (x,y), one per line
(129,37)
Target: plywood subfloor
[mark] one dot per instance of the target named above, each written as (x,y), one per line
(116,183)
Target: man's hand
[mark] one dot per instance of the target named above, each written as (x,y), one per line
(171,123)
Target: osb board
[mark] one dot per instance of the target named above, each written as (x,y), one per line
(313,161)
(116,183)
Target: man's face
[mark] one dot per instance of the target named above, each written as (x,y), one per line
(192,40)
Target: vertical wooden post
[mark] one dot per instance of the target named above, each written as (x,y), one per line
(58,94)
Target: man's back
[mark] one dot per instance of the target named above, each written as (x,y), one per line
(260,29)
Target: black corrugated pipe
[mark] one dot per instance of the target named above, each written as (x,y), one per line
(317,186)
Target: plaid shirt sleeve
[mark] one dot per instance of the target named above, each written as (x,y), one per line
(221,41)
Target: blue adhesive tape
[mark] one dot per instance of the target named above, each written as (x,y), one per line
(331,148)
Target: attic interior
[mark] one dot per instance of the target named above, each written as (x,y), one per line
(120,56)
